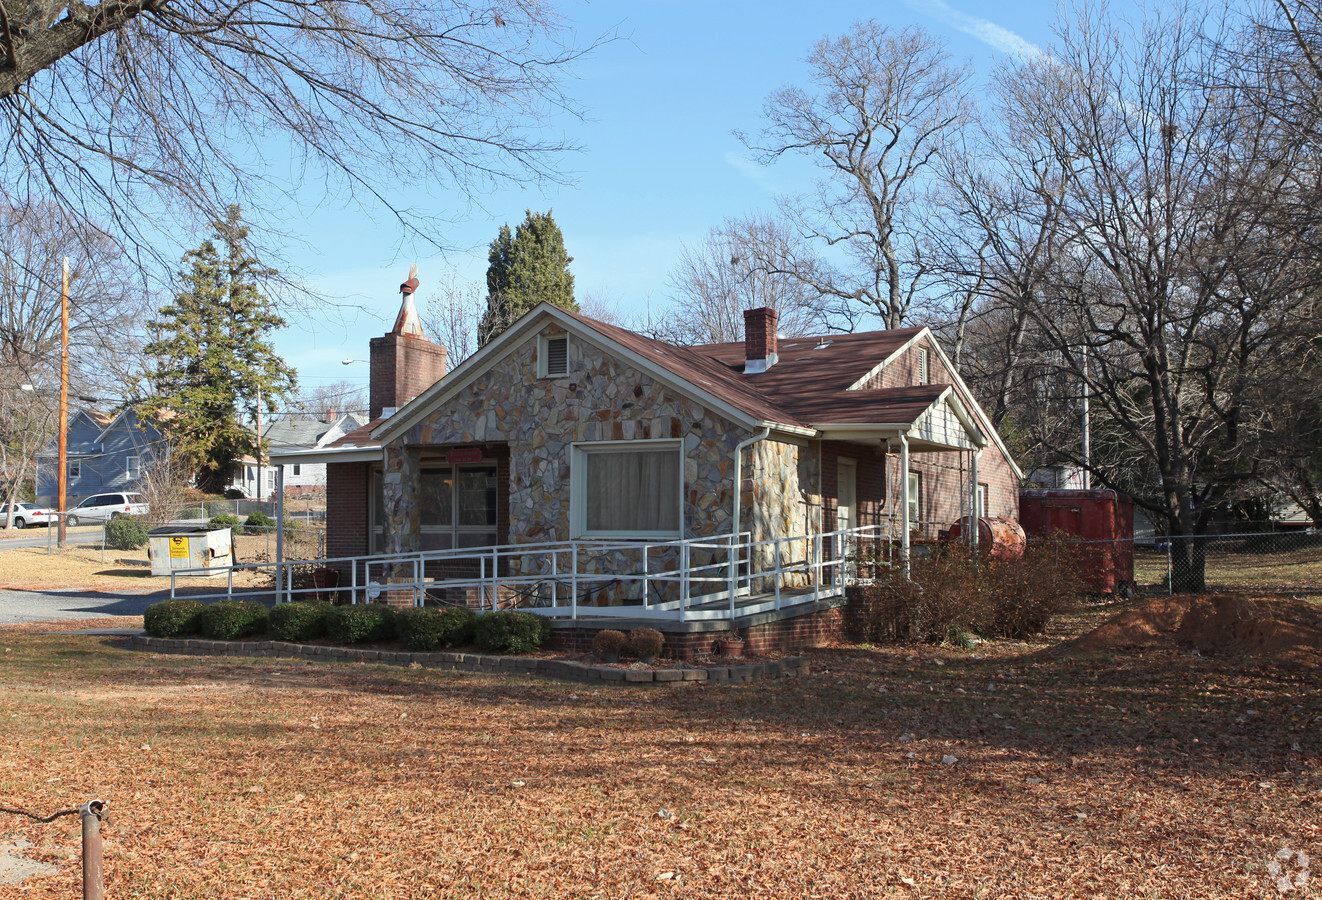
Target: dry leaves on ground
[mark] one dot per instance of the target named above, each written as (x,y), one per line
(1143,774)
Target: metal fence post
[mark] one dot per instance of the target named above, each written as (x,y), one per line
(92,812)
(1170,579)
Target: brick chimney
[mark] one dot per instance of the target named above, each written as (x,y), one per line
(760,339)
(330,417)
(404,363)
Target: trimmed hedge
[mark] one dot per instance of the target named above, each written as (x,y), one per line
(511,632)
(646,643)
(298,621)
(127,532)
(359,624)
(171,618)
(429,628)
(226,620)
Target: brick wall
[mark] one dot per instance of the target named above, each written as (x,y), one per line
(403,366)
(760,332)
(812,630)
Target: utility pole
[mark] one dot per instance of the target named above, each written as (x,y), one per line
(259,441)
(62,479)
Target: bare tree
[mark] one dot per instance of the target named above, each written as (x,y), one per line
(452,317)
(744,264)
(883,106)
(131,112)
(340,397)
(1167,296)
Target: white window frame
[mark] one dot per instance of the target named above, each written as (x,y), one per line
(75,468)
(915,499)
(924,368)
(544,355)
(578,487)
(297,469)
(982,499)
(131,463)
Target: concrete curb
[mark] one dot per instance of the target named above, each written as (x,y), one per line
(555,669)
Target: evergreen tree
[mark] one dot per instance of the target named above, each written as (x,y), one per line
(526,268)
(214,361)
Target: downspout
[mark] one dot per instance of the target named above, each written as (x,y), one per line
(739,475)
(733,573)
(904,505)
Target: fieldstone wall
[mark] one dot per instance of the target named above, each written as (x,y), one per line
(602,398)
(783,496)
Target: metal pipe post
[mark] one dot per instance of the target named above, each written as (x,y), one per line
(92,812)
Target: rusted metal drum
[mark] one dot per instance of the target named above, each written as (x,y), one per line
(999,537)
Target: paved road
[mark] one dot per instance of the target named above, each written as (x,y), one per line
(37,537)
(37,606)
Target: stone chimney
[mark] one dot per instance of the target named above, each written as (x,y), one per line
(760,340)
(404,363)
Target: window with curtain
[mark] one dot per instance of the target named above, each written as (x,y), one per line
(627,489)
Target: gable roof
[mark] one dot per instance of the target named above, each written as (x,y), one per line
(297,432)
(814,383)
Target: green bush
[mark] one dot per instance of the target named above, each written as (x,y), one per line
(226,620)
(226,520)
(511,632)
(171,618)
(360,624)
(126,532)
(298,621)
(430,628)
(260,519)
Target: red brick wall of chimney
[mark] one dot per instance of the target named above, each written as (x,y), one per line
(403,367)
(760,332)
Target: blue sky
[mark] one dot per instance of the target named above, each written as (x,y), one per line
(658,165)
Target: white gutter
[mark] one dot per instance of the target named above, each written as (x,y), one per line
(739,474)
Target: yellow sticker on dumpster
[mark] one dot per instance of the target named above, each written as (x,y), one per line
(178,548)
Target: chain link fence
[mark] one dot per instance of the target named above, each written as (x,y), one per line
(1281,562)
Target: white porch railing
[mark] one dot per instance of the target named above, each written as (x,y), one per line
(685,580)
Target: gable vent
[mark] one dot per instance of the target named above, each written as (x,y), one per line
(557,356)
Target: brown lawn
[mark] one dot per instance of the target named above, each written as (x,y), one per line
(1126,774)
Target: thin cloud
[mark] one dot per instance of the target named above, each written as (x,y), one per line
(991,34)
(750,169)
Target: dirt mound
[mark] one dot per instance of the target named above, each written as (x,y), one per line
(1223,624)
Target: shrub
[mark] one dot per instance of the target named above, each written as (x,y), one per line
(226,620)
(646,643)
(360,624)
(430,628)
(171,618)
(949,596)
(225,520)
(608,641)
(126,532)
(260,519)
(298,621)
(511,632)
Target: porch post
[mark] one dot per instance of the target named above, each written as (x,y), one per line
(904,505)
(973,499)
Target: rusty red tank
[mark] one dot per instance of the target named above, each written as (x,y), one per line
(999,537)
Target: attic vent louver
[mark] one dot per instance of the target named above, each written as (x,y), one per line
(557,356)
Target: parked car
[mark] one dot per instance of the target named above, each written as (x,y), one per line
(103,507)
(26,514)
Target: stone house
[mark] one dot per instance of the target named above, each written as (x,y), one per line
(567,430)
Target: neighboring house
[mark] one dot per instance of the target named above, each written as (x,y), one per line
(292,435)
(568,429)
(106,452)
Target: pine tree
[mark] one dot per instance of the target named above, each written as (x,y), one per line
(524,269)
(214,361)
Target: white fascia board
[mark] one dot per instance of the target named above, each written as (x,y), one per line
(974,409)
(876,370)
(351,453)
(469,370)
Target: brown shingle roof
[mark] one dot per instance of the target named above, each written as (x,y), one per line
(809,383)
(359,437)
